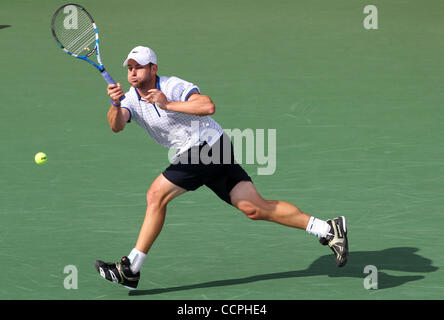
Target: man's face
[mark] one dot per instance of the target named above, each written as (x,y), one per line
(138,75)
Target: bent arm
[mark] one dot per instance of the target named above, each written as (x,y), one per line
(196,104)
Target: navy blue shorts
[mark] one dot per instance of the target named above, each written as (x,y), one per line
(213,167)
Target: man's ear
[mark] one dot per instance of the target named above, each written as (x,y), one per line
(154,68)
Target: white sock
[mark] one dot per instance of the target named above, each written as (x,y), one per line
(136,259)
(317,227)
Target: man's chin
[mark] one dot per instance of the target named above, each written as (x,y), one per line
(138,85)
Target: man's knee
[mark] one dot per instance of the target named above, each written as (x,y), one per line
(155,198)
(251,210)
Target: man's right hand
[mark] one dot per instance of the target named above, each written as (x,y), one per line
(115,93)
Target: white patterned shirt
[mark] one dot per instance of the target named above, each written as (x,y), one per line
(172,129)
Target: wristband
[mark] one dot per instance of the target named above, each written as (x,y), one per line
(118,106)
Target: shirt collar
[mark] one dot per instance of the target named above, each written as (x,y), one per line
(157,86)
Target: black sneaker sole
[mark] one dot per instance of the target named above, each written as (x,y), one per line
(344,227)
(324,241)
(100,264)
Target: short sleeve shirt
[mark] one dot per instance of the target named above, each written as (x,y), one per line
(172,129)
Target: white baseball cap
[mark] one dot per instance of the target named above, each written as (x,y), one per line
(143,56)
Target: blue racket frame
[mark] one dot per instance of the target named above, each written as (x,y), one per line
(98,66)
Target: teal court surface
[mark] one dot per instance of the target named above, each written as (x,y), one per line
(358,116)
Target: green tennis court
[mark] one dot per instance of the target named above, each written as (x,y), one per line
(359,120)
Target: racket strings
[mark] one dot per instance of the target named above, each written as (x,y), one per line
(77,36)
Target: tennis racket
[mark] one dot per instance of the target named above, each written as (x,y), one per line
(76,33)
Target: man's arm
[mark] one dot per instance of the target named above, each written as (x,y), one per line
(196,104)
(117,116)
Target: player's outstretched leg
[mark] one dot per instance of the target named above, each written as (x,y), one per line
(118,272)
(333,232)
(337,240)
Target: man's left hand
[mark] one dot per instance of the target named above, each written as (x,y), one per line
(157,96)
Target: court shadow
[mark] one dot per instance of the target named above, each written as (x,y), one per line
(2,26)
(395,259)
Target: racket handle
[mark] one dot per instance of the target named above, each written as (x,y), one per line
(107,77)
(109,80)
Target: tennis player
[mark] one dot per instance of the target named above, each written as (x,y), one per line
(168,108)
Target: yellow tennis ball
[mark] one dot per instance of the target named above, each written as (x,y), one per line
(40,158)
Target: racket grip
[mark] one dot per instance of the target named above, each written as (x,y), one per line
(107,77)
(109,80)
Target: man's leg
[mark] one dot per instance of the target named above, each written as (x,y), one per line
(245,197)
(333,232)
(159,195)
(127,271)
